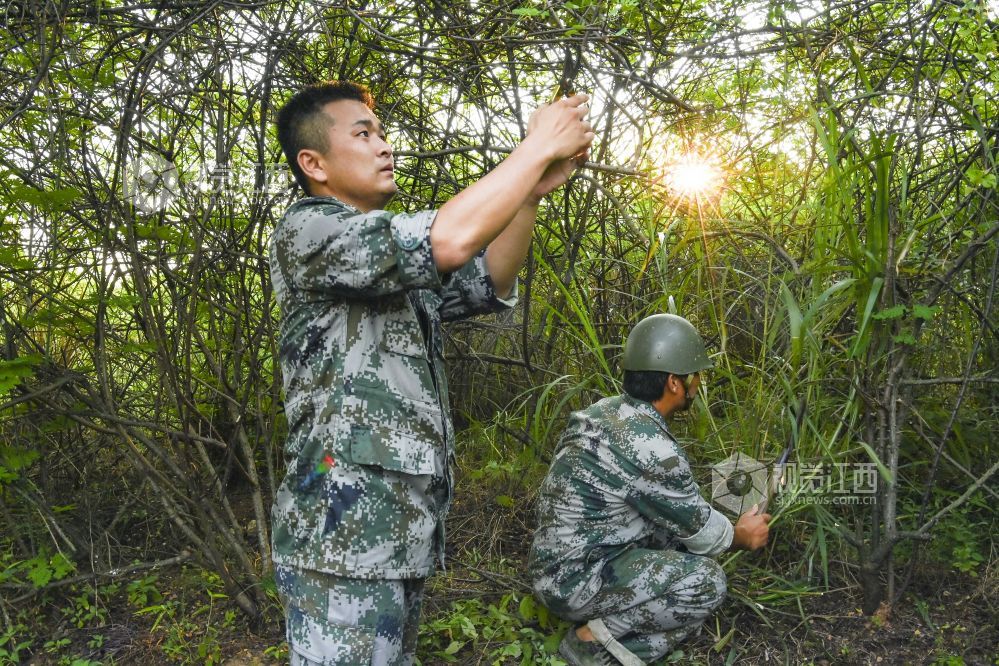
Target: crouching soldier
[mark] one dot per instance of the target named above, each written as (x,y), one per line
(625,540)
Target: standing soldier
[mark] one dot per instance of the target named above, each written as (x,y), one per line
(358,522)
(625,540)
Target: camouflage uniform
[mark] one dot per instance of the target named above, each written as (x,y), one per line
(370,440)
(618,502)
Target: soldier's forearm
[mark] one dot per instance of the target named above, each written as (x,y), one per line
(506,254)
(479,214)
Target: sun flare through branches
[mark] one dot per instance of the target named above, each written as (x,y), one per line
(689,173)
(693,177)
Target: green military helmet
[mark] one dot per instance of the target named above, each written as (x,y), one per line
(665,343)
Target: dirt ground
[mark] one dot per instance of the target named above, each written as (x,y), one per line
(954,622)
(945,617)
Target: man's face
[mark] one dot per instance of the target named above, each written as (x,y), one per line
(357,168)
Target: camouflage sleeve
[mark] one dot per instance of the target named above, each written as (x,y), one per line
(712,539)
(328,249)
(667,495)
(470,291)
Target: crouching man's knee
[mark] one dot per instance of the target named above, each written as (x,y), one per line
(705,588)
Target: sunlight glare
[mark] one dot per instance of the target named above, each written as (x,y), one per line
(693,177)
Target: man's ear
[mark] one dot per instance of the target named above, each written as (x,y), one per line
(668,387)
(312,164)
(674,384)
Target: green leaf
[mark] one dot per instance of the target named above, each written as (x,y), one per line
(885,474)
(12,460)
(891,313)
(12,257)
(904,338)
(467,628)
(62,566)
(512,650)
(924,312)
(505,501)
(544,617)
(794,319)
(528,608)
(14,371)
(40,573)
(980,178)
(133,347)
(49,200)
(872,296)
(145,230)
(453,647)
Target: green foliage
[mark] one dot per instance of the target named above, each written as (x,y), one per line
(278,653)
(187,642)
(514,630)
(39,571)
(89,605)
(845,255)
(143,592)
(42,571)
(192,627)
(964,540)
(15,371)
(13,644)
(56,645)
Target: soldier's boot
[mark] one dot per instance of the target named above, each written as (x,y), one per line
(604,651)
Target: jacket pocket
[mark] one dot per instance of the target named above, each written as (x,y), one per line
(323,642)
(392,450)
(391,432)
(401,332)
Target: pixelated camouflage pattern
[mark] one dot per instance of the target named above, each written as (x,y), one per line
(619,480)
(361,354)
(651,600)
(349,621)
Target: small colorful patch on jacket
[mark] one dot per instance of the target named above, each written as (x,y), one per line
(322,467)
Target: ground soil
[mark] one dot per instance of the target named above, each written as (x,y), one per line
(944,617)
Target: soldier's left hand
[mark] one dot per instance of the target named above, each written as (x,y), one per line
(752,530)
(558,174)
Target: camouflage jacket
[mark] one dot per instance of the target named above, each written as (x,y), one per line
(370,440)
(619,479)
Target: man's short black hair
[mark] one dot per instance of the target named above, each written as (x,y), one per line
(303,124)
(647,385)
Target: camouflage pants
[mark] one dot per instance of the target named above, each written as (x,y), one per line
(651,600)
(336,621)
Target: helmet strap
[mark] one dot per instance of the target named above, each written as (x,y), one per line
(688,400)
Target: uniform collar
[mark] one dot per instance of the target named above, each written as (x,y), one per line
(647,410)
(327,199)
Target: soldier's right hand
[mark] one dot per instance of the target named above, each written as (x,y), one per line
(752,530)
(561,129)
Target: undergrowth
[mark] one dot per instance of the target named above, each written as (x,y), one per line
(171,617)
